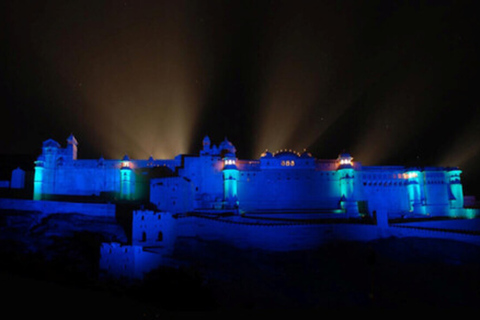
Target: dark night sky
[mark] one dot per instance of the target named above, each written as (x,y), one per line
(391,82)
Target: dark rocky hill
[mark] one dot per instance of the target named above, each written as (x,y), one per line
(60,253)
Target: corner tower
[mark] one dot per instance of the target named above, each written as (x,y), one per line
(230,175)
(230,178)
(127,179)
(38,178)
(346,181)
(44,179)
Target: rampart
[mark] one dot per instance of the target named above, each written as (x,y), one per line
(92,209)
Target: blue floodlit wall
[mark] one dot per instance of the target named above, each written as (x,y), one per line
(48,207)
(59,172)
(384,188)
(285,180)
(153,229)
(127,261)
(147,251)
(172,194)
(288,180)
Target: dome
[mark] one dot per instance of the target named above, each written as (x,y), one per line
(286,154)
(228,146)
(50,143)
(266,154)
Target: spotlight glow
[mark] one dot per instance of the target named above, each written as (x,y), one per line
(464,149)
(138,77)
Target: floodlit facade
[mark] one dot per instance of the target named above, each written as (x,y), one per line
(282,201)
(284,181)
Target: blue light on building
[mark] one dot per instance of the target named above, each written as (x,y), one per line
(216,179)
(247,202)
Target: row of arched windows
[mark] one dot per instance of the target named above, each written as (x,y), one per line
(384,184)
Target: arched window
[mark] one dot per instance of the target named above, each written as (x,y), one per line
(160,236)
(144,236)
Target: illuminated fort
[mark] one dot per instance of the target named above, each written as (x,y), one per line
(282,181)
(284,200)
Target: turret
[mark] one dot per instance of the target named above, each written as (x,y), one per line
(206,146)
(230,178)
(50,151)
(206,143)
(226,147)
(346,180)
(44,179)
(127,179)
(38,178)
(72,147)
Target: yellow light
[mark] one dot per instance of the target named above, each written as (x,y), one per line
(229,162)
(410,175)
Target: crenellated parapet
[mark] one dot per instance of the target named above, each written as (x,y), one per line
(216,179)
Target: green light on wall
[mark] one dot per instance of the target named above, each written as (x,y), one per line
(38,182)
(127,183)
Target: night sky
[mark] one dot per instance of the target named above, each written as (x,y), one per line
(391,82)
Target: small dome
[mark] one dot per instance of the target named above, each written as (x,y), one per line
(126,158)
(286,154)
(50,143)
(266,154)
(227,145)
(344,155)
